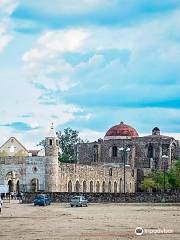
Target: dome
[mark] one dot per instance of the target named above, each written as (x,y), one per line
(121,131)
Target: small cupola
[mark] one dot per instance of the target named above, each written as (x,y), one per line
(156,131)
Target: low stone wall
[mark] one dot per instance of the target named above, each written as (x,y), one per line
(110,197)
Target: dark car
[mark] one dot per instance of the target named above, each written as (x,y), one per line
(42,200)
(78,201)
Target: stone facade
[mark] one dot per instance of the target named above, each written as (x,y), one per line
(95,178)
(23,173)
(144,153)
(12,147)
(101,167)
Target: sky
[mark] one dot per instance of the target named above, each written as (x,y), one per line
(88,65)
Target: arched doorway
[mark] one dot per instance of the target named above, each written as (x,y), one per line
(77,187)
(120,186)
(115,187)
(34,185)
(104,187)
(97,187)
(91,186)
(10,184)
(70,186)
(84,186)
(109,187)
(12,179)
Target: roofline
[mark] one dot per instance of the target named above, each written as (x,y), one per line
(17,141)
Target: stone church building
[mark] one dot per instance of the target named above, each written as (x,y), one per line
(116,163)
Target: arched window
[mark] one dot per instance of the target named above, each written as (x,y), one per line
(109,187)
(91,186)
(114,151)
(120,186)
(115,187)
(50,142)
(70,186)
(150,151)
(84,186)
(110,172)
(97,187)
(103,187)
(77,187)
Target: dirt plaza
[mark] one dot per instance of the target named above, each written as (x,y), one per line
(97,221)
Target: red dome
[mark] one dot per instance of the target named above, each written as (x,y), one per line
(121,130)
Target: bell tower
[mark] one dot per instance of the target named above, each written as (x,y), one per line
(51,161)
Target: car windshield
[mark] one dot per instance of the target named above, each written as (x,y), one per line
(75,198)
(40,197)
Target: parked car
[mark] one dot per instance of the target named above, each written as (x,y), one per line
(78,201)
(42,200)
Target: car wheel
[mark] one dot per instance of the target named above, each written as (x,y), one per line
(35,205)
(71,205)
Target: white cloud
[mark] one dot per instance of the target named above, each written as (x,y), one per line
(91,135)
(4,38)
(56,42)
(65,84)
(148,41)
(6,8)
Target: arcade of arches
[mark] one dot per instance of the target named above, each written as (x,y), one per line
(97,187)
(13,182)
(95,179)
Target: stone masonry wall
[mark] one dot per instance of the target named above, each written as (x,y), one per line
(137,157)
(95,178)
(111,197)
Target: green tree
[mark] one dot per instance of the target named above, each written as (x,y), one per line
(174,176)
(148,184)
(68,144)
(155,180)
(68,140)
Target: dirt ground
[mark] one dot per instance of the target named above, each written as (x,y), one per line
(97,221)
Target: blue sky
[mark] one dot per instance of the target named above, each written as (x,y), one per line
(89,64)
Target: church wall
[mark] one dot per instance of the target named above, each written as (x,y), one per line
(138,157)
(72,177)
(107,151)
(35,169)
(24,169)
(12,148)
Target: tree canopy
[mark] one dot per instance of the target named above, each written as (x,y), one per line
(68,144)
(158,180)
(68,140)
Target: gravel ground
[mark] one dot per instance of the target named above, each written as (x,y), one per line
(97,221)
